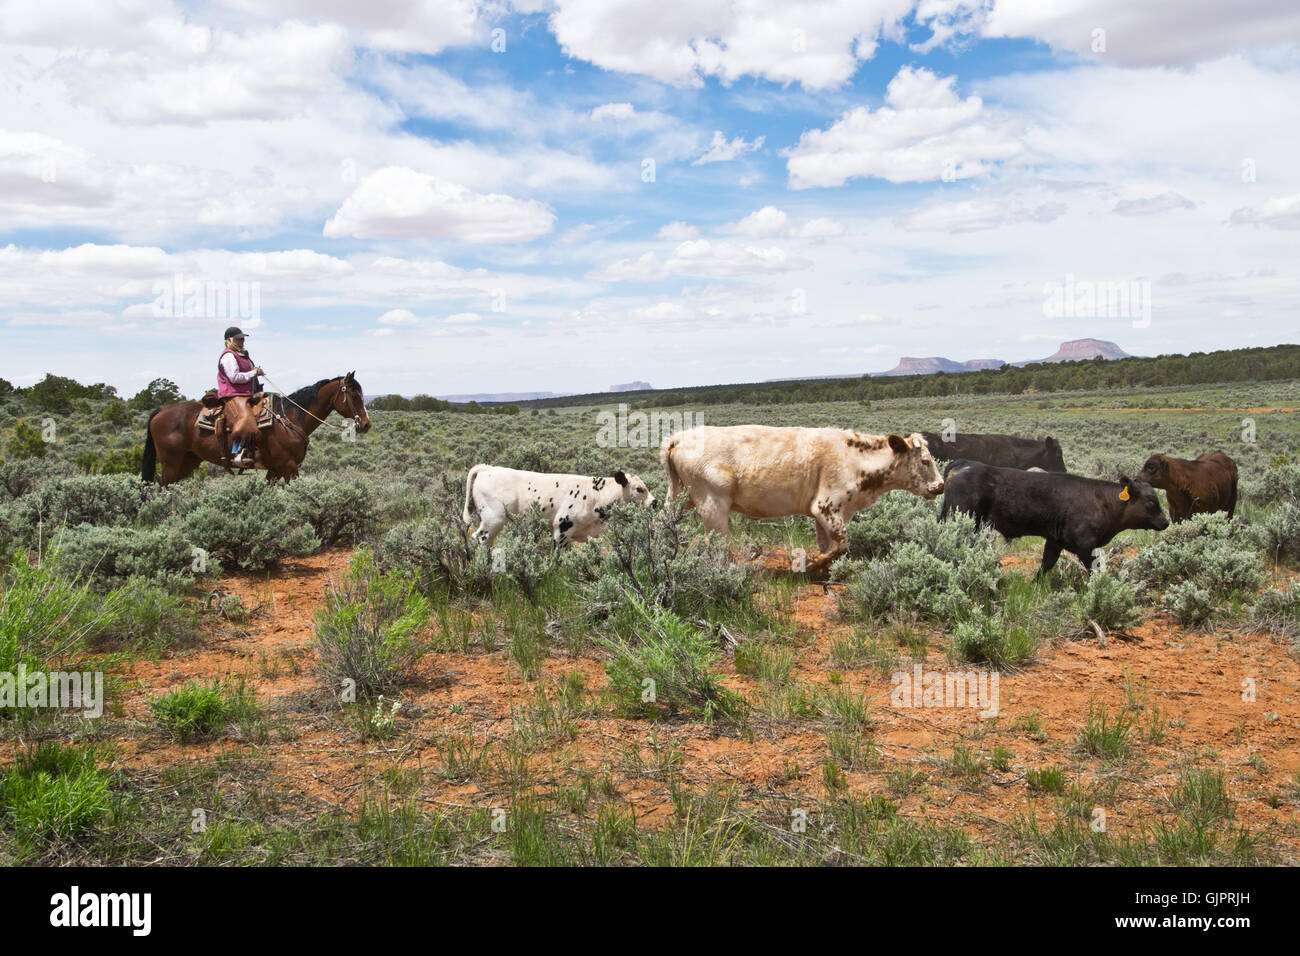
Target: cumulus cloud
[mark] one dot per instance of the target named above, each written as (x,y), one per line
(401,203)
(614,111)
(721,151)
(770,222)
(816,45)
(1153,205)
(1282,212)
(764,223)
(975,215)
(677,231)
(398,317)
(924,132)
(423,26)
(701,257)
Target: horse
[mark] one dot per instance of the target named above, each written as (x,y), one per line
(174,439)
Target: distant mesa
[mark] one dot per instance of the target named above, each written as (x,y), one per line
(1078,350)
(1073,351)
(501,397)
(935,363)
(482,397)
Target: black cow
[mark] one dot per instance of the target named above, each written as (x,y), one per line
(1072,513)
(1004,451)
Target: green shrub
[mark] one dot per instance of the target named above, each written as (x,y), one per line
(437,555)
(21,477)
(523,553)
(1189,605)
(650,553)
(988,638)
(44,617)
(198,711)
(249,525)
(1109,600)
(1281,531)
(109,556)
(875,531)
(368,633)
(1216,553)
(670,669)
(940,572)
(1278,609)
(111,500)
(54,791)
(339,510)
(26,442)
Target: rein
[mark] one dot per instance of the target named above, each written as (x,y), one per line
(306,411)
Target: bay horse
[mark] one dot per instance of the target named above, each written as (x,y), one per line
(175,441)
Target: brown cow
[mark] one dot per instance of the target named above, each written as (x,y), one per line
(1207,484)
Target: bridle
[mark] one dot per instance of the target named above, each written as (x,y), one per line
(343,390)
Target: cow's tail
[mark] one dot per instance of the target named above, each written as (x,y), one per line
(666,450)
(149,461)
(469,495)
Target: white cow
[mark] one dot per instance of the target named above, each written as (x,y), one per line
(576,504)
(829,474)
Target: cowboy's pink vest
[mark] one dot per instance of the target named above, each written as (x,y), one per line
(225,387)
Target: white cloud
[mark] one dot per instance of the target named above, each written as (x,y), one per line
(820,228)
(817,45)
(616,112)
(975,215)
(924,132)
(1282,212)
(677,231)
(770,222)
(1153,205)
(424,26)
(721,151)
(701,257)
(401,203)
(1147,33)
(764,224)
(398,317)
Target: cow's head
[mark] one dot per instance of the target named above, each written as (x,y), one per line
(634,489)
(1051,458)
(1156,471)
(914,469)
(1141,505)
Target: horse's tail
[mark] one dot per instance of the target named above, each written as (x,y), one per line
(469,494)
(149,463)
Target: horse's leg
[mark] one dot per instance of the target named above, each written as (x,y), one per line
(180,470)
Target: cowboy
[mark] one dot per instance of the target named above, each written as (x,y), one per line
(237,378)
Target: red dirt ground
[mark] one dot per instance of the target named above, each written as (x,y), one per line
(1193,679)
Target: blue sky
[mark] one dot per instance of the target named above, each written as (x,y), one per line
(455,197)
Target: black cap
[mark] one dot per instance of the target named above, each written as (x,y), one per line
(234,332)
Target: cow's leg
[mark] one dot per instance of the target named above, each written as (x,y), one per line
(715,512)
(1051,553)
(823,539)
(830,525)
(1232,501)
(492,518)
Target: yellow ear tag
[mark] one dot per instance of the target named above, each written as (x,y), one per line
(1123,493)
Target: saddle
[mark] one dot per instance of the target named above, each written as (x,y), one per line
(214,410)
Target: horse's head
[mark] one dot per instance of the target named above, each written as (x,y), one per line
(350,402)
